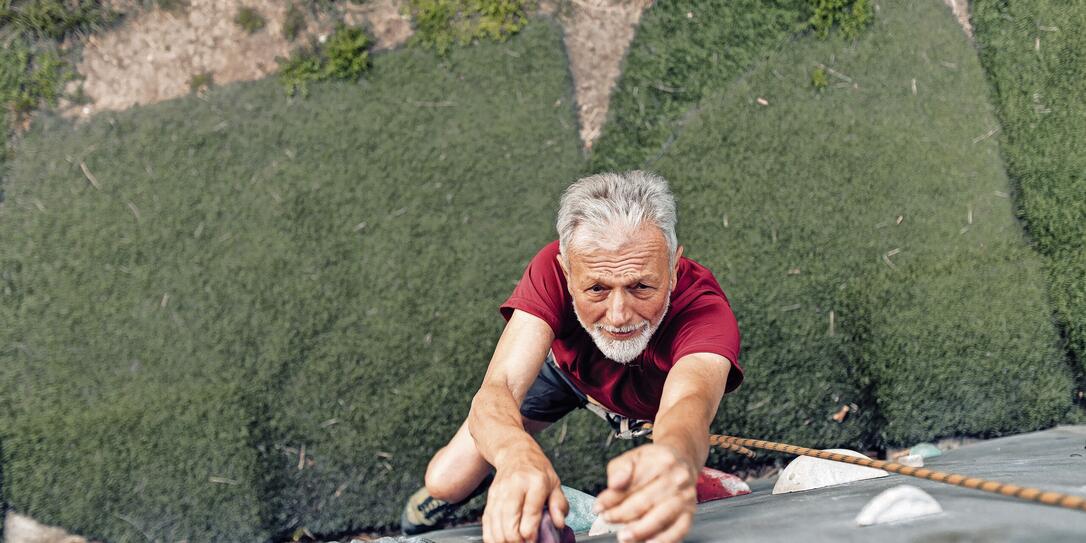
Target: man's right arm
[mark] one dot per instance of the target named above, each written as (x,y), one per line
(524,480)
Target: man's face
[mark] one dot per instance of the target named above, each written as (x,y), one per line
(621,289)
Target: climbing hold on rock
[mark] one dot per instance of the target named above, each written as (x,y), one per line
(549,533)
(580,516)
(601,527)
(717,485)
(902,502)
(925,450)
(807,472)
(911,460)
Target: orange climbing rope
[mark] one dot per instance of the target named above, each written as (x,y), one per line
(1057,499)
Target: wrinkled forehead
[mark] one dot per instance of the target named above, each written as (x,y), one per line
(634,253)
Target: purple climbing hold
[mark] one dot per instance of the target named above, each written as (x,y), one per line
(549,533)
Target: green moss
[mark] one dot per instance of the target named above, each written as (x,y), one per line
(1032,57)
(867,245)
(290,259)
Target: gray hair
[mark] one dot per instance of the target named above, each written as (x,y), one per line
(606,201)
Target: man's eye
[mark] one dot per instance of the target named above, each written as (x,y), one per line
(595,289)
(641,286)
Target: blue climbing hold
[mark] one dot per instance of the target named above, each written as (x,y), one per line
(580,517)
(925,450)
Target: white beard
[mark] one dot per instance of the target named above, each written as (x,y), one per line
(623,351)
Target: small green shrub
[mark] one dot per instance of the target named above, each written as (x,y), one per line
(249,19)
(201,82)
(851,16)
(819,79)
(293,22)
(344,56)
(441,23)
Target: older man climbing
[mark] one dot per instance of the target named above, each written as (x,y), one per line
(613,318)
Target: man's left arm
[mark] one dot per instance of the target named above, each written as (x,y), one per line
(652,489)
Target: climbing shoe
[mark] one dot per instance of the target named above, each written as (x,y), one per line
(424,513)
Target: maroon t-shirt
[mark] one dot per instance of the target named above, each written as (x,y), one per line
(699,321)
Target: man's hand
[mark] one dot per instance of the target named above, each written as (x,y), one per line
(652,490)
(523,485)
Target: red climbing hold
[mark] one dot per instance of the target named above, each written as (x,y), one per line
(717,485)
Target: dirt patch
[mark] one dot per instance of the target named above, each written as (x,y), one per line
(22,529)
(597,34)
(156,54)
(961,12)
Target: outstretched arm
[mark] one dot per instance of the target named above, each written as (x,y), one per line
(524,480)
(652,489)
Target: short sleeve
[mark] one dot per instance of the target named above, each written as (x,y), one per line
(541,291)
(708,325)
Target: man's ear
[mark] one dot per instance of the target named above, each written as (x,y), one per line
(562,264)
(675,270)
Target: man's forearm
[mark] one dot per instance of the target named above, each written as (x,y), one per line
(685,428)
(496,425)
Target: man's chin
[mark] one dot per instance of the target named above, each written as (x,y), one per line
(622,352)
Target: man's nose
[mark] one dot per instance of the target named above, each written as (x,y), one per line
(618,312)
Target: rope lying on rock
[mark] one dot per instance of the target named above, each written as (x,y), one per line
(1057,499)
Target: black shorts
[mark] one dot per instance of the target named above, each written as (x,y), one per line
(552,395)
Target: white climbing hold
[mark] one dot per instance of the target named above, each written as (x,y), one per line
(911,460)
(902,502)
(601,527)
(807,473)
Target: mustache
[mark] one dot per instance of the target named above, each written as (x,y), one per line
(622,329)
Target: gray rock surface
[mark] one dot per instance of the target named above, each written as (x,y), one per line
(1053,459)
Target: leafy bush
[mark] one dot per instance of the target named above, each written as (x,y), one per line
(30,76)
(851,16)
(249,19)
(441,23)
(344,56)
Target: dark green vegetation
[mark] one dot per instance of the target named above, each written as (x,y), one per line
(868,243)
(345,56)
(249,19)
(439,24)
(54,19)
(256,277)
(31,69)
(1033,53)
